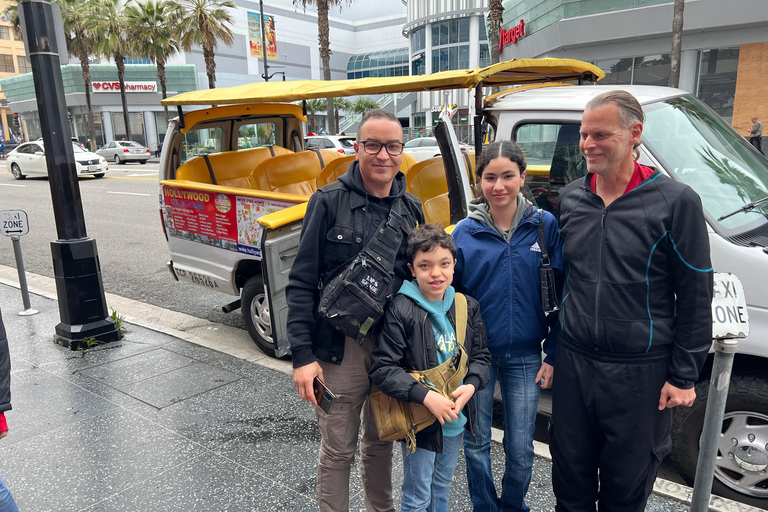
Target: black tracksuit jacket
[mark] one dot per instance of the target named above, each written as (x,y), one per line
(341,217)
(407,342)
(639,276)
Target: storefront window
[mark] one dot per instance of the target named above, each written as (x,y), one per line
(162,125)
(652,70)
(717,82)
(137,127)
(82,128)
(617,71)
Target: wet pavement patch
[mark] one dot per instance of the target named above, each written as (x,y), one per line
(160,377)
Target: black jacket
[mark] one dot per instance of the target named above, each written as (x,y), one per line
(407,342)
(639,276)
(341,217)
(5,370)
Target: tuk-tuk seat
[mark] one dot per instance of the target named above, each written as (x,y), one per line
(295,173)
(332,171)
(230,168)
(426,180)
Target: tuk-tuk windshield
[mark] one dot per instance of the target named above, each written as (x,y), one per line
(702,151)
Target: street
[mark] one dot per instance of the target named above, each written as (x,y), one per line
(121,213)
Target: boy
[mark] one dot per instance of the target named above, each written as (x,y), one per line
(418,333)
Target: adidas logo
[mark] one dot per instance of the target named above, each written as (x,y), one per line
(535,247)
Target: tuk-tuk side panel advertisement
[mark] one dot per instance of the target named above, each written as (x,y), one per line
(221,220)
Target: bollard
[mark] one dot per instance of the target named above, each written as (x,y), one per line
(725,350)
(22,278)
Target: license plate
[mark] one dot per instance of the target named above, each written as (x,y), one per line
(136,151)
(93,168)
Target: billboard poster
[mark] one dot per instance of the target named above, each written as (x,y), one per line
(228,221)
(254,35)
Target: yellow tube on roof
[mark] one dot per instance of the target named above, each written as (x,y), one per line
(513,72)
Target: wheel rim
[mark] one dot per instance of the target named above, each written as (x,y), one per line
(15,171)
(117,159)
(260,316)
(742,453)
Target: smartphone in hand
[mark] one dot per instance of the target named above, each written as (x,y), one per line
(323,395)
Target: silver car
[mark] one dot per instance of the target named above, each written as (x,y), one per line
(122,151)
(28,159)
(341,143)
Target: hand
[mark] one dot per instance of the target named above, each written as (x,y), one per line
(672,396)
(440,407)
(546,376)
(3,434)
(303,378)
(462,395)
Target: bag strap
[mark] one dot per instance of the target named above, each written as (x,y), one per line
(543,243)
(460,301)
(385,243)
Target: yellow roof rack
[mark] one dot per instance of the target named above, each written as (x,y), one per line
(508,73)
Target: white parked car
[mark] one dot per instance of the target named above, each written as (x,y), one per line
(28,159)
(426,147)
(341,143)
(122,151)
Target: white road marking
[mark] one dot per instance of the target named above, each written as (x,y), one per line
(11,185)
(140,175)
(128,193)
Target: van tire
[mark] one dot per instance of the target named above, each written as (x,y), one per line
(254,307)
(747,401)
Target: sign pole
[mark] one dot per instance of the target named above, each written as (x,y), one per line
(731,322)
(82,303)
(22,278)
(15,224)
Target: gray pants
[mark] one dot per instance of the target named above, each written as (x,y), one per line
(340,429)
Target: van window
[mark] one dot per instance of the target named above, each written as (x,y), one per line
(201,142)
(553,158)
(701,150)
(256,134)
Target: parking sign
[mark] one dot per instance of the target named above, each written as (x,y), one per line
(14,222)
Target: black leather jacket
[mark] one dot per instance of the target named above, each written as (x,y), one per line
(407,342)
(341,217)
(5,370)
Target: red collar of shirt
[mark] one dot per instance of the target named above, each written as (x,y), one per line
(640,175)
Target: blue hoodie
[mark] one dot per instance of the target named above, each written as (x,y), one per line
(501,271)
(445,336)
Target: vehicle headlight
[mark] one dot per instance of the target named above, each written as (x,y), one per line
(102,160)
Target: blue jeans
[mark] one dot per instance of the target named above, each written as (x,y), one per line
(520,393)
(7,504)
(427,477)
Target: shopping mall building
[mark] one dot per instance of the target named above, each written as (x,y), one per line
(724,58)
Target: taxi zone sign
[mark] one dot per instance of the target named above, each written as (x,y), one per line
(14,223)
(729,308)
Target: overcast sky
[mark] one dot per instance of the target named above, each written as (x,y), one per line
(360,10)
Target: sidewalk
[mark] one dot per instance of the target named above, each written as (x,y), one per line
(160,422)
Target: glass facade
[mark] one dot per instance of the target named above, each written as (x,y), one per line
(450,45)
(648,70)
(717,80)
(378,64)
(137,126)
(82,131)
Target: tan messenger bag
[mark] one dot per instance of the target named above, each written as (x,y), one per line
(396,420)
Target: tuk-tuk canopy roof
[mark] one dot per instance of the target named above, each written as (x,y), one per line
(508,73)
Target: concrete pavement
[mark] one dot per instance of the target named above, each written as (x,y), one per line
(183,414)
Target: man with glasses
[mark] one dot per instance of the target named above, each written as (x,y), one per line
(341,219)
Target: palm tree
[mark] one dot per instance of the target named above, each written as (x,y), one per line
(363,105)
(314,106)
(147,24)
(495,14)
(12,12)
(204,22)
(107,19)
(677,43)
(340,104)
(81,43)
(323,38)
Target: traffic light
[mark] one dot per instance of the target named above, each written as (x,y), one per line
(16,121)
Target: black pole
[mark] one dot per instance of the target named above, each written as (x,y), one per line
(263,41)
(82,304)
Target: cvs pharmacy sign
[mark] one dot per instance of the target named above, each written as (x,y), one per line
(129,86)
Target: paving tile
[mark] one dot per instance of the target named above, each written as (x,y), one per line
(171,387)
(206,484)
(89,461)
(133,369)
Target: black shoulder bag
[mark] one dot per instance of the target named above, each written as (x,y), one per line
(549,300)
(353,300)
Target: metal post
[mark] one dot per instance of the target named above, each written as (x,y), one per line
(82,303)
(725,350)
(22,278)
(263,41)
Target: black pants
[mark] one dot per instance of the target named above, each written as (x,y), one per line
(757,142)
(608,437)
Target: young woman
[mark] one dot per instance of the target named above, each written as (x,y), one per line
(498,262)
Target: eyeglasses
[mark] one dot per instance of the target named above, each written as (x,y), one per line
(372,147)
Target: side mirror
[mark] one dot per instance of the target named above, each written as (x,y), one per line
(39,153)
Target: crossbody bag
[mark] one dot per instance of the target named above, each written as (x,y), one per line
(549,300)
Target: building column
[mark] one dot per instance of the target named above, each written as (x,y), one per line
(106,126)
(150,130)
(6,129)
(425,98)
(689,70)
(474,42)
